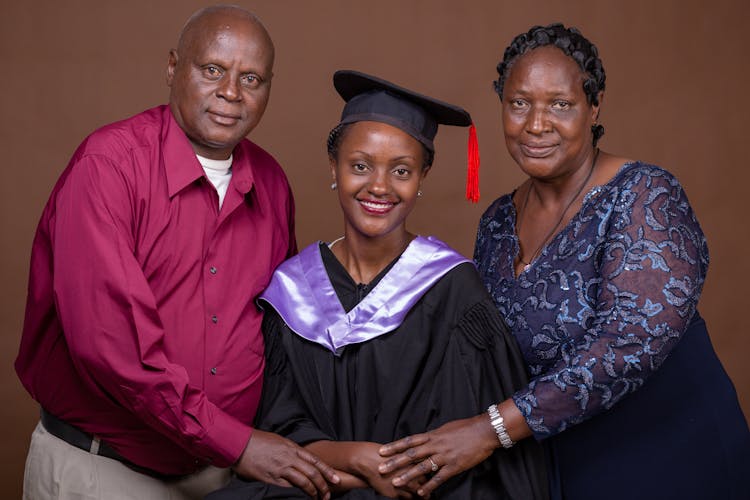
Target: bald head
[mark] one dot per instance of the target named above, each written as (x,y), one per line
(215,18)
(220,78)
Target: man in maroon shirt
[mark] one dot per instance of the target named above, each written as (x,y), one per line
(142,339)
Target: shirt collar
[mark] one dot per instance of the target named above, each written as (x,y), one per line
(242,168)
(182,166)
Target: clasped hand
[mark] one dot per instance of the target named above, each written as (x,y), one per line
(276,460)
(357,464)
(367,460)
(444,452)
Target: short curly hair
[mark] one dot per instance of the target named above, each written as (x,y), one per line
(574,45)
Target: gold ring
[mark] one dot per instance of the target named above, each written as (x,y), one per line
(434,465)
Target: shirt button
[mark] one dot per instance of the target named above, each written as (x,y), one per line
(213,371)
(212,270)
(214,318)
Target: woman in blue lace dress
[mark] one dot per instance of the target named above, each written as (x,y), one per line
(596,263)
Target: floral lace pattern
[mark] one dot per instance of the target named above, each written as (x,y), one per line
(605,301)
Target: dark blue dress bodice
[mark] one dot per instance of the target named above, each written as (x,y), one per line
(606,318)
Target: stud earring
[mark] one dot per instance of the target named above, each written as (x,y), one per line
(333,186)
(419,193)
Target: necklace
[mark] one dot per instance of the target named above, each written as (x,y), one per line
(330,245)
(527,265)
(347,258)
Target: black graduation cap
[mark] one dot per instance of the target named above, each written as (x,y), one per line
(369,98)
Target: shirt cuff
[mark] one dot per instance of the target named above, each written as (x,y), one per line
(226,439)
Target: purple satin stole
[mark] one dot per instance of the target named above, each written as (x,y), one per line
(301,292)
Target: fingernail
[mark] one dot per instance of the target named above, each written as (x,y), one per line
(382,468)
(398,481)
(336,478)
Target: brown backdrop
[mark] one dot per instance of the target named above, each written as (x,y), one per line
(676,96)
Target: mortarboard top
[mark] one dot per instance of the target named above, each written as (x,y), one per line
(369,98)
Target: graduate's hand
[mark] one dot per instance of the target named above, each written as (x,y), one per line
(454,447)
(276,460)
(366,460)
(348,482)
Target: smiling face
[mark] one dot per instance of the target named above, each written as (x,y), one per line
(378,169)
(220,80)
(546,117)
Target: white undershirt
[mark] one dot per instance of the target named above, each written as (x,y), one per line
(219,172)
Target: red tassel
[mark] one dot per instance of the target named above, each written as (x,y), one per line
(472,173)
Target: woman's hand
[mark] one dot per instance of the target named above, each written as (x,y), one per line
(348,482)
(356,463)
(452,448)
(366,459)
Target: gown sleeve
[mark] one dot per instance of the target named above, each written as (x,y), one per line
(650,272)
(282,410)
(495,365)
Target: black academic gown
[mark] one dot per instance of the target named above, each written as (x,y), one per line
(450,359)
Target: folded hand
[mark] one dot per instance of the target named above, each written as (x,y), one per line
(438,455)
(276,460)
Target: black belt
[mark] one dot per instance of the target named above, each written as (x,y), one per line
(76,437)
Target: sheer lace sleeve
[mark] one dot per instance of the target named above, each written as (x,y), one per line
(650,263)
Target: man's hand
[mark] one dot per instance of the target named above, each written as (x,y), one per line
(276,460)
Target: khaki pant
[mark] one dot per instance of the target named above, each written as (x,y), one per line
(60,471)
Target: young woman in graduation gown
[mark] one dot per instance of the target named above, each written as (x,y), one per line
(382,334)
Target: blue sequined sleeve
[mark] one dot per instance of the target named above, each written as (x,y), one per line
(620,285)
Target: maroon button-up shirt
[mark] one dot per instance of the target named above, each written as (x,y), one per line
(141,325)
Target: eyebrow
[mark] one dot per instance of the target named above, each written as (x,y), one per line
(402,157)
(214,60)
(547,91)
